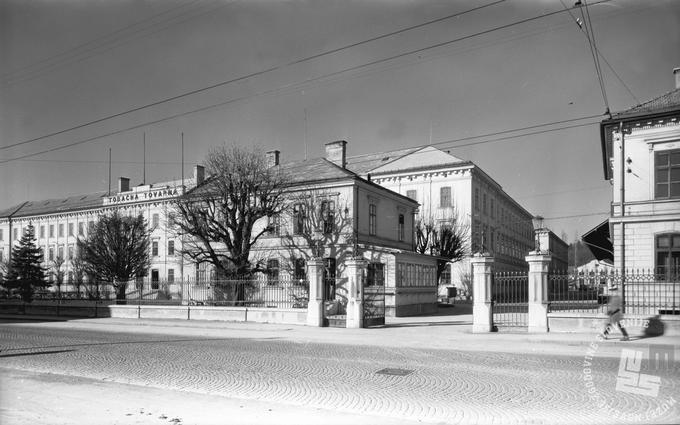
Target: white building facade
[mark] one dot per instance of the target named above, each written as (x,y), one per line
(454,192)
(641,157)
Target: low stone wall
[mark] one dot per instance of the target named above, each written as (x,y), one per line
(293,316)
(583,322)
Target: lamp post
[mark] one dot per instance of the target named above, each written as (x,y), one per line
(537,222)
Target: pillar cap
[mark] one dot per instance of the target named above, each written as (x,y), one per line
(482,258)
(539,256)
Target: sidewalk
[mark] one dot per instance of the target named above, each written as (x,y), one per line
(450,329)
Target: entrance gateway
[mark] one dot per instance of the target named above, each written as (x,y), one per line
(510,301)
(374,295)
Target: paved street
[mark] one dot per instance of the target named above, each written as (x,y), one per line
(299,368)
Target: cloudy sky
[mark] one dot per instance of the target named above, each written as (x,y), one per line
(381,74)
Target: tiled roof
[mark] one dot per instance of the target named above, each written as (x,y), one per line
(667,102)
(300,172)
(8,212)
(71,203)
(362,164)
(316,169)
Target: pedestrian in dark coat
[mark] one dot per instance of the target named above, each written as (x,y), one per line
(615,313)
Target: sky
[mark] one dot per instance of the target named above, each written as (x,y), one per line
(294,75)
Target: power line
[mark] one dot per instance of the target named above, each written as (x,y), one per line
(591,41)
(266,92)
(97,50)
(601,55)
(26,68)
(251,75)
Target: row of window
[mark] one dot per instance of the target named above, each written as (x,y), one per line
(485,239)
(154,248)
(60,230)
(327,221)
(502,213)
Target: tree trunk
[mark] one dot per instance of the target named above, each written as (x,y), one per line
(120,292)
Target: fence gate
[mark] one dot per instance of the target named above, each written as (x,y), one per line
(374,295)
(510,300)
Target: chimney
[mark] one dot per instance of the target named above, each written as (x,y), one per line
(336,152)
(273,158)
(676,72)
(199,174)
(123,184)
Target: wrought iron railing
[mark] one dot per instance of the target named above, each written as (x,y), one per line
(577,293)
(246,292)
(643,292)
(510,298)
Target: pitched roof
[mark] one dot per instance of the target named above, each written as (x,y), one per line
(664,103)
(300,172)
(314,170)
(362,164)
(71,203)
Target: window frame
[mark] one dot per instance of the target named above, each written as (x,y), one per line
(667,170)
(327,211)
(444,196)
(299,219)
(273,271)
(661,270)
(400,228)
(372,219)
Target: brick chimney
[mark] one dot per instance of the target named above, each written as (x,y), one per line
(676,72)
(273,158)
(336,152)
(123,184)
(199,174)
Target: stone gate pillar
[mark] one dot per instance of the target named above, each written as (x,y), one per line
(539,265)
(482,281)
(315,304)
(356,271)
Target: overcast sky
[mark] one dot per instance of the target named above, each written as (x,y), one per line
(64,64)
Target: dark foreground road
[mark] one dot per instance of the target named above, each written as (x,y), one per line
(272,379)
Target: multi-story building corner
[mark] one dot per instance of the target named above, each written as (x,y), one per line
(60,222)
(452,191)
(641,157)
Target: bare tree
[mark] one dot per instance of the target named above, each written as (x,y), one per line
(79,269)
(218,218)
(58,272)
(314,226)
(448,239)
(117,250)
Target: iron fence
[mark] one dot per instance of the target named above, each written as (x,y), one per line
(250,292)
(577,292)
(510,299)
(644,292)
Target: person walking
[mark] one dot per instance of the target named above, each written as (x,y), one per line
(615,313)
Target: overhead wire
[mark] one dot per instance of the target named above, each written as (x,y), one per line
(600,54)
(262,93)
(27,68)
(107,46)
(591,42)
(261,72)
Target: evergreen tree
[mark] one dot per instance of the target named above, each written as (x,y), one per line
(25,271)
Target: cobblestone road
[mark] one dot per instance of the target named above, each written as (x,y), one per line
(447,386)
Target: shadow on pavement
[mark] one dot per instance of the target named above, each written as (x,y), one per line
(36,353)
